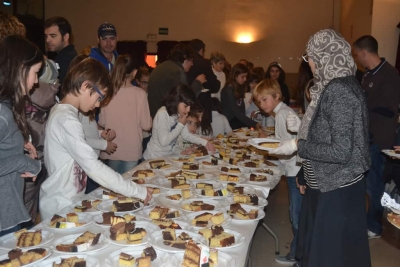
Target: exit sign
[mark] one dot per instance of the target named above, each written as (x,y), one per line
(163,31)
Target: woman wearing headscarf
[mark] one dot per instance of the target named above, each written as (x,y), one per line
(333,145)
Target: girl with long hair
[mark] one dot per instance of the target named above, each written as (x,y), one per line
(20,61)
(232,98)
(128,114)
(276,73)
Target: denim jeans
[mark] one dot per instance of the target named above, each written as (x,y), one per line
(375,189)
(295,199)
(121,166)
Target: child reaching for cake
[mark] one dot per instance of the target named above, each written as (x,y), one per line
(170,122)
(68,157)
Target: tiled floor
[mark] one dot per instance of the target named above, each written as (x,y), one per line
(385,251)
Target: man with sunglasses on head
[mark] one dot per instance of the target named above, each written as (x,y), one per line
(106,51)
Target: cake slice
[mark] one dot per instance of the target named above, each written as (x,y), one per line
(222,240)
(218,218)
(55,219)
(186,193)
(157,164)
(191,257)
(175,197)
(169,234)
(80,208)
(149,251)
(143,261)
(126,260)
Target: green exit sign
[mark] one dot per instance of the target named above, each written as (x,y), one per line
(163,31)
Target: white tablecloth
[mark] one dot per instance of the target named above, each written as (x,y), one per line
(246,228)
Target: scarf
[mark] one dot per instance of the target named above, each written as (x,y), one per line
(331,54)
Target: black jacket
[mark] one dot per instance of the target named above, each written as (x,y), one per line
(64,58)
(203,66)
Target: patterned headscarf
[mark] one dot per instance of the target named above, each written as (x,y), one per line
(332,56)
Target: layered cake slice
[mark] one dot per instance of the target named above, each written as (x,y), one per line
(143,261)
(169,234)
(258,178)
(191,258)
(136,236)
(174,197)
(28,239)
(218,218)
(126,260)
(158,212)
(190,166)
(200,219)
(222,240)
(157,164)
(150,252)
(125,204)
(143,174)
(186,193)
(71,262)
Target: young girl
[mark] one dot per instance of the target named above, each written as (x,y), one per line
(169,121)
(269,96)
(276,73)
(220,124)
(68,157)
(192,123)
(128,114)
(232,96)
(248,100)
(20,61)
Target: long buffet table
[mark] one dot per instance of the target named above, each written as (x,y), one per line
(244,227)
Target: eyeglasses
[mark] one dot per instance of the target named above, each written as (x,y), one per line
(101,98)
(305,57)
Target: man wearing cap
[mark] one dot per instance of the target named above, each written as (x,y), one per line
(105,52)
(57,32)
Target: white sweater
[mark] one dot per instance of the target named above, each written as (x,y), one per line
(222,79)
(281,133)
(69,159)
(220,124)
(166,130)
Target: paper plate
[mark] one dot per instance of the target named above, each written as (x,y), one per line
(69,239)
(146,211)
(190,216)
(224,260)
(261,213)
(391,153)
(83,218)
(217,205)
(9,241)
(113,259)
(106,205)
(91,261)
(156,240)
(256,141)
(262,202)
(148,226)
(239,240)
(35,263)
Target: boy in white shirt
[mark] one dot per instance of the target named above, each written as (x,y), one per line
(269,97)
(68,157)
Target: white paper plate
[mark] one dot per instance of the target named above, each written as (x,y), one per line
(165,184)
(224,260)
(167,173)
(163,197)
(35,263)
(83,218)
(262,202)
(391,153)
(190,216)
(197,192)
(261,213)
(216,184)
(260,166)
(90,260)
(156,240)
(9,241)
(146,211)
(276,171)
(98,219)
(148,226)
(98,193)
(239,239)
(255,141)
(106,205)
(242,170)
(182,224)
(217,205)
(113,259)
(69,239)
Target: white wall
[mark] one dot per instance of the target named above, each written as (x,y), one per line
(385,17)
(279,28)
(355,19)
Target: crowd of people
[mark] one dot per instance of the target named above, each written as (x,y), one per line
(70,125)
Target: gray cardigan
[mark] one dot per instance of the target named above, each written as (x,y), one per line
(338,140)
(13,163)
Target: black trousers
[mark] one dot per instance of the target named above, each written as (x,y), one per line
(333,228)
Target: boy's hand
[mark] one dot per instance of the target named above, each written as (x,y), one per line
(210,147)
(149,196)
(108,134)
(293,122)
(111,147)
(182,118)
(28,175)
(201,78)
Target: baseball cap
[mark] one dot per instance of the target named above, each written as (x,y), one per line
(106,29)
